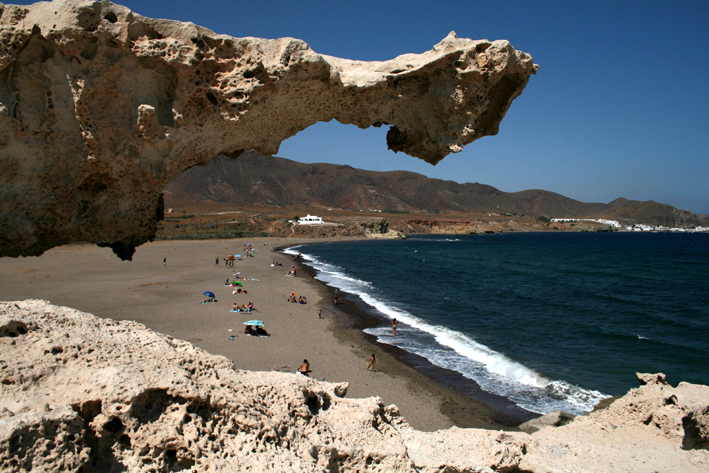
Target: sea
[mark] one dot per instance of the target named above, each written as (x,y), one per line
(548,321)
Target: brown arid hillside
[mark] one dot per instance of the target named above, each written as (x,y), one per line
(255,194)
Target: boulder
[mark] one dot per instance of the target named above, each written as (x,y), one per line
(652,378)
(550,419)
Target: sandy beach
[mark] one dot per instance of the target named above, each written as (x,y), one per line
(162,288)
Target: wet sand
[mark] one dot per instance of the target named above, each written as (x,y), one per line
(165,297)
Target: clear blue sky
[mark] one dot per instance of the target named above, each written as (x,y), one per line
(619,107)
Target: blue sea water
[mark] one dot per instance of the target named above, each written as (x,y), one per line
(548,320)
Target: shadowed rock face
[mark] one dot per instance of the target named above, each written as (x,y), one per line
(100,108)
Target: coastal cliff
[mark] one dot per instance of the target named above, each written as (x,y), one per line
(101,108)
(80,393)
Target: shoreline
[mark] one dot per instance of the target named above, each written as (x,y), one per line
(355,316)
(89,378)
(164,296)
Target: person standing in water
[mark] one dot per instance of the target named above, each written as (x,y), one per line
(394,323)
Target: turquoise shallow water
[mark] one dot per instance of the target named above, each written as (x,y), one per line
(547,320)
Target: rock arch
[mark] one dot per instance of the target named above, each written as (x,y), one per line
(100,108)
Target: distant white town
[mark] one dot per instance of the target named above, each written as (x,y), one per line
(634,228)
(314,220)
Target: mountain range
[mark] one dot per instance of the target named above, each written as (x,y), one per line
(254,180)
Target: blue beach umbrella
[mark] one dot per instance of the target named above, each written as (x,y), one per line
(257,323)
(209,294)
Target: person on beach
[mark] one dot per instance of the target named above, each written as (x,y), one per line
(304,368)
(293,271)
(394,323)
(319,313)
(334,298)
(164,261)
(217,261)
(371,363)
(261,332)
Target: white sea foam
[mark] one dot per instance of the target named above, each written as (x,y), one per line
(492,371)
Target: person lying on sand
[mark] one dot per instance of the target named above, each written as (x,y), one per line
(262,332)
(256,331)
(242,308)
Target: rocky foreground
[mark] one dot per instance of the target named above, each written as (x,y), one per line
(80,393)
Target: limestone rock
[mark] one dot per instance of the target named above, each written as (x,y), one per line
(100,108)
(79,393)
(381,230)
(550,419)
(389,235)
(652,378)
(87,394)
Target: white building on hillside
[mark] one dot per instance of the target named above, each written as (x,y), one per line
(310,220)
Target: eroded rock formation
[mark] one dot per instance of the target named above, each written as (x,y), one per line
(79,393)
(100,108)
